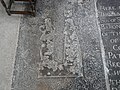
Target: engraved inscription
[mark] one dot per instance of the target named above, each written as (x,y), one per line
(109,21)
(108,8)
(112,55)
(111,33)
(110,26)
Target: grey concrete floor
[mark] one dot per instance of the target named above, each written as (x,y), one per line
(9,27)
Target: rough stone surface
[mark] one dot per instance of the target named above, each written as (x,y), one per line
(8,44)
(59,49)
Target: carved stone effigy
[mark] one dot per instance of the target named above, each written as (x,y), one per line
(59,49)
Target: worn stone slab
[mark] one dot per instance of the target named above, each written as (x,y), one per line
(109,21)
(59,49)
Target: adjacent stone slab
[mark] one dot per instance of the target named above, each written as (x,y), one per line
(109,21)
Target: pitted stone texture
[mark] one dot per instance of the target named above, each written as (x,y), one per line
(61,42)
(50,42)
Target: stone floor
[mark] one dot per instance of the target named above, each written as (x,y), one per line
(9,27)
(50,44)
(89,38)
